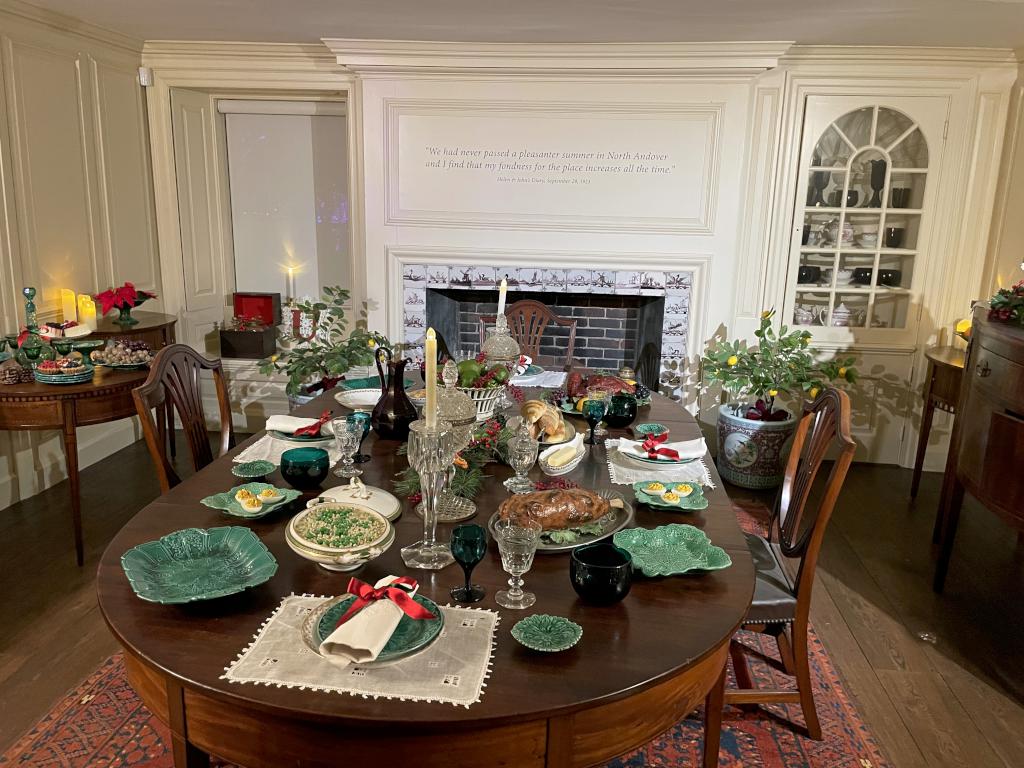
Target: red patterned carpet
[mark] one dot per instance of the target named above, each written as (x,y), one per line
(103,724)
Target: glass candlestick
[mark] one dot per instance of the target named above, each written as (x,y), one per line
(458,409)
(431,451)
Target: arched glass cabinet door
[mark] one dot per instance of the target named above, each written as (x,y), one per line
(862,212)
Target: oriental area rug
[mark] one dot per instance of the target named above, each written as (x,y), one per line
(103,724)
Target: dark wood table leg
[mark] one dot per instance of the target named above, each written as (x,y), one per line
(71,459)
(559,746)
(950,521)
(926,428)
(713,706)
(186,755)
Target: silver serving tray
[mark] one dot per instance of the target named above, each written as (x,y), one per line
(615,520)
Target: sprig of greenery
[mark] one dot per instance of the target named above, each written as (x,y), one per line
(332,350)
(782,363)
(1007,306)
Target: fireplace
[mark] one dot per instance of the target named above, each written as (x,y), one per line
(617,312)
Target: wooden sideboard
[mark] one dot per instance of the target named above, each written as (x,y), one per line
(987,450)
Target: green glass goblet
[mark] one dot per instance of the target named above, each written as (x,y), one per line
(362,418)
(469,546)
(594,411)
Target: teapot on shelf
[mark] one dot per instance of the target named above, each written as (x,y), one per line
(842,316)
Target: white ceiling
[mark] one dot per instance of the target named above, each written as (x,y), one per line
(986,23)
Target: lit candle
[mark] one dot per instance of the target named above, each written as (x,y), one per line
(87,313)
(290,283)
(67,304)
(430,354)
(502,290)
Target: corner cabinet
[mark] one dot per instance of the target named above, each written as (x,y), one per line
(865,193)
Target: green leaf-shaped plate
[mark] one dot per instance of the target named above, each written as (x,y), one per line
(226,501)
(542,632)
(411,635)
(696,500)
(251,470)
(669,550)
(196,564)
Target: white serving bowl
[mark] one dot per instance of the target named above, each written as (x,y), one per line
(581,451)
(358,399)
(338,558)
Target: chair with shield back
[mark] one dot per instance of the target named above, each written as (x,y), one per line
(781,604)
(175,378)
(527,321)
(648,366)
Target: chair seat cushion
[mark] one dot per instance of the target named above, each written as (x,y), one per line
(774,595)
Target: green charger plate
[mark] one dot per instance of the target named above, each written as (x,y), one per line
(226,501)
(670,550)
(550,634)
(87,345)
(299,439)
(197,564)
(410,636)
(695,501)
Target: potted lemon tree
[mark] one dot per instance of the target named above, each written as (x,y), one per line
(766,383)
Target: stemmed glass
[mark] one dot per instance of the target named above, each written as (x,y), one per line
(522,453)
(517,542)
(362,419)
(599,393)
(469,545)
(347,437)
(431,451)
(594,410)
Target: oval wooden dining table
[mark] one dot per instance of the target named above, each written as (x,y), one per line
(641,665)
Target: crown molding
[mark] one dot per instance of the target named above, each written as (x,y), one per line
(219,55)
(410,56)
(69,24)
(880,54)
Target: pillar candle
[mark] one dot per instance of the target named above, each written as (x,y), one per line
(83,300)
(87,314)
(67,304)
(430,357)
(502,290)
(290,283)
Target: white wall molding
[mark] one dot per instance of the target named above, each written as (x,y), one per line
(376,57)
(823,55)
(697,264)
(213,56)
(59,22)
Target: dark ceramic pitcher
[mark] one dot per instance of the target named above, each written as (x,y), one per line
(394,411)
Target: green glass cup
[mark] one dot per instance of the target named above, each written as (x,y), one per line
(305,468)
(621,411)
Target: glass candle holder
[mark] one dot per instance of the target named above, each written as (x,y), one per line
(431,451)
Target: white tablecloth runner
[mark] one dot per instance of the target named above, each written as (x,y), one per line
(453,670)
(548,379)
(625,471)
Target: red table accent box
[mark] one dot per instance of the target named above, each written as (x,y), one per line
(265,306)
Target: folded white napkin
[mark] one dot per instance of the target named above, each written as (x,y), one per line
(543,379)
(288,424)
(687,449)
(363,637)
(525,361)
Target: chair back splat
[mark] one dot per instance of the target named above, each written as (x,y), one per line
(175,381)
(527,321)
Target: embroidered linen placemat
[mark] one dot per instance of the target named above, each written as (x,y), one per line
(625,471)
(453,670)
(269,448)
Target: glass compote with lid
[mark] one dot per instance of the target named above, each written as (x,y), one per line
(458,409)
(501,348)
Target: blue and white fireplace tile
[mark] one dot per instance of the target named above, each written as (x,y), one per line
(578,280)
(531,279)
(484,277)
(602,281)
(676,282)
(414,274)
(628,282)
(438,276)
(510,274)
(674,327)
(652,284)
(414,319)
(554,279)
(671,350)
(415,300)
(461,277)
(677,304)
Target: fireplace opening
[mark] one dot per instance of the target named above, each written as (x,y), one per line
(611,329)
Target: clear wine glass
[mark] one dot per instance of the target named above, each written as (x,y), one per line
(347,436)
(522,453)
(517,542)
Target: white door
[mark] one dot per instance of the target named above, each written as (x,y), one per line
(860,260)
(203,214)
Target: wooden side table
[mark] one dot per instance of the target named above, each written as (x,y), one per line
(108,397)
(942,391)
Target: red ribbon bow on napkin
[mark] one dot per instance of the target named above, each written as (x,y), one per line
(395,592)
(653,451)
(313,429)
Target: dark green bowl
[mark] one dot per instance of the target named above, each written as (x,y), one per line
(621,411)
(305,468)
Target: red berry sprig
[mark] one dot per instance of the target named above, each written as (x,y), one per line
(555,484)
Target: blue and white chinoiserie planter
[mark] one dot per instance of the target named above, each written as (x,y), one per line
(752,453)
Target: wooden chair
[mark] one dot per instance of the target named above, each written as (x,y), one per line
(781,603)
(174,379)
(648,366)
(527,320)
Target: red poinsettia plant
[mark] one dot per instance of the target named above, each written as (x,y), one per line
(119,298)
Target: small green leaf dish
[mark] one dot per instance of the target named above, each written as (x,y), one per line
(226,501)
(670,550)
(696,500)
(649,429)
(196,564)
(550,634)
(253,470)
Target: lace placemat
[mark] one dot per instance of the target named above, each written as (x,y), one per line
(549,379)
(624,471)
(269,448)
(453,670)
